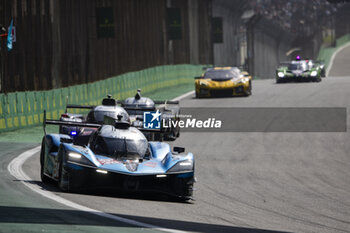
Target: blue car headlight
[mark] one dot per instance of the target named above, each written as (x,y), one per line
(78,158)
(186,165)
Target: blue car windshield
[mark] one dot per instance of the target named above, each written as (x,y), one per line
(121,148)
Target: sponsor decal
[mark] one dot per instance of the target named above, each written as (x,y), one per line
(151,120)
(154,120)
(193,123)
(108,161)
(151,164)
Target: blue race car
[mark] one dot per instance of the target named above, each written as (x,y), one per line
(116,155)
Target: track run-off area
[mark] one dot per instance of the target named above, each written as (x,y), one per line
(247,182)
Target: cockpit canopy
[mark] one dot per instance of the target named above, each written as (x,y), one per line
(142,102)
(97,114)
(128,143)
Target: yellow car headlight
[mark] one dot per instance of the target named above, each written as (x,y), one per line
(203,83)
(240,80)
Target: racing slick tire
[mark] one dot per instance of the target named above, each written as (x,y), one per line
(197,95)
(184,189)
(249,91)
(62,184)
(317,79)
(44,178)
(65,178)
(170,137)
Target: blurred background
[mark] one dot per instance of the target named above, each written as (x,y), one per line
(63,43)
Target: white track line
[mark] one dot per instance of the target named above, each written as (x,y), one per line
(178,98)
(183,96)
(333,56)
(15,169)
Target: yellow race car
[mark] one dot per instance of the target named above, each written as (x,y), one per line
(223,81)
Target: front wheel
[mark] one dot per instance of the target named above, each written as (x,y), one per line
(63,183)
(65,179)
(197,95)
(43,177)
(184,188)
(318,79)
(248,92)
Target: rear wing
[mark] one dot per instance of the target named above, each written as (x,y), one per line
(67,123)
(80,106)
(166,102)
(156,102)
(139,108)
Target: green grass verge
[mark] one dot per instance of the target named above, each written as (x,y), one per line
(325,54)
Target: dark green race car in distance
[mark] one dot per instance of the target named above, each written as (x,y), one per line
(298,71)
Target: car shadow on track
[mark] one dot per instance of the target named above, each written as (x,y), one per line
(43,216)
(110,192)
(221,97)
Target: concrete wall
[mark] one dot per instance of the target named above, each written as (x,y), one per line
(228,52)
(57,42)
(267,47)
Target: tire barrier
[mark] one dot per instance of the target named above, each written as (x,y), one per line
(25,109)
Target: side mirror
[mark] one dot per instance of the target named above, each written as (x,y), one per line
(179,149)
(197,77)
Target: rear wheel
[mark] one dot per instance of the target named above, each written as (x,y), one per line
(44,178)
